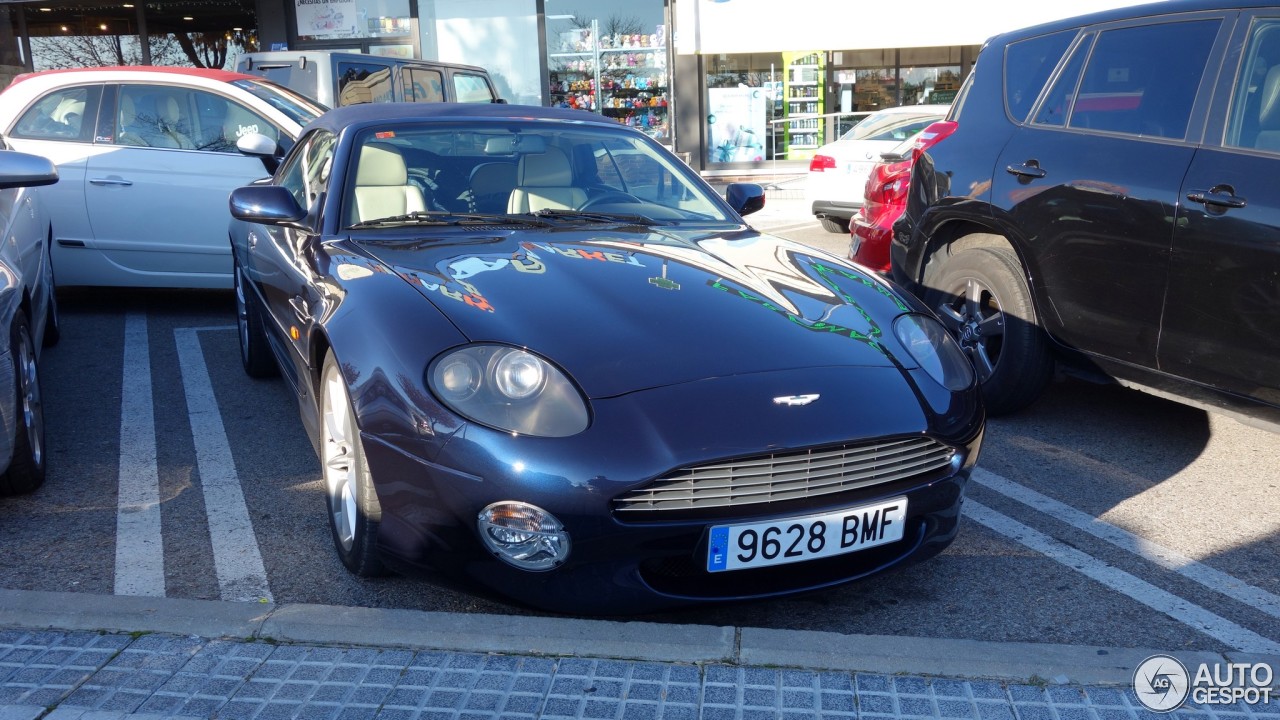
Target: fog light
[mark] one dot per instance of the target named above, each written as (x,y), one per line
(524,535)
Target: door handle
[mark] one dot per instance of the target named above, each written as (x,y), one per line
(300,309)
(110,181)
(1030,169)
(1223,196)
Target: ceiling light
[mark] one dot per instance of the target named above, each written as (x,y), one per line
(46,9)
(188,17)
(64,28)
(237,29)
(103,26)
(128,5)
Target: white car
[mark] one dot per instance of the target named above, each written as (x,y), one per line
(147,158)
(838,172)
(28,316)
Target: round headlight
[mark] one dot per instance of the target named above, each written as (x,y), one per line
(459,377)
(523,535)
(519,374)
(935,351)
(508,388)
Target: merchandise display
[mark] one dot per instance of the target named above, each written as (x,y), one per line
(623,76)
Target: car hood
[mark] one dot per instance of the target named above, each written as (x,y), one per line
(628,309)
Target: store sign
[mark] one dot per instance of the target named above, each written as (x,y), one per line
(326,18)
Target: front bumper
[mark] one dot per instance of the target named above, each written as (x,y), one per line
(633,562)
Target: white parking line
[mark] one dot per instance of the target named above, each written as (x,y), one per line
(1183,611)
(1167,558)
(139,541)
(236,558)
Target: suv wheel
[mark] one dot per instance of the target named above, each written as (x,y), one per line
(981,295)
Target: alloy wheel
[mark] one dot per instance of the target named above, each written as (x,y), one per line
(976,320)
(340,463)
(32,403)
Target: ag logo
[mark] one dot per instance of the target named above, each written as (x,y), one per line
(1161,683)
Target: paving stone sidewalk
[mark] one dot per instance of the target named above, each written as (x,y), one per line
(105,676)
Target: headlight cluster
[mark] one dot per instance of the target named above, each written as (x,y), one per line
(524,535)
(934,350)
(510,389)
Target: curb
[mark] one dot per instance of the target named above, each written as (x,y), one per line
(541,636)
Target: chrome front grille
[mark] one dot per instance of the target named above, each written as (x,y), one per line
(788,476)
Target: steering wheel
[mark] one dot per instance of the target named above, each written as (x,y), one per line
(610,197)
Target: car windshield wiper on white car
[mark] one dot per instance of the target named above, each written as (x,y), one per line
(444,217)
(600,217)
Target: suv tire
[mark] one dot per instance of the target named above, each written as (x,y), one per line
(982,297)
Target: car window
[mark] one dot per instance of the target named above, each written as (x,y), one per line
(306,170)
(468,88)
(1053,111)
(220,122)
(364,83)
(422,85)
(520,167)
(158,116)
(1254,121)
(60,115)
(896,126)
(1027,66)
(298,108)
(1143,80)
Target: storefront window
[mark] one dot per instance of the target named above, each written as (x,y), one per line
(614,66)
(930,85)
(746,108)
(343,19)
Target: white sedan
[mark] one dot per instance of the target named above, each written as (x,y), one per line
(147,157)
(838,172)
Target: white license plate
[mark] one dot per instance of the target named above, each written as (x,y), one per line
(752,545)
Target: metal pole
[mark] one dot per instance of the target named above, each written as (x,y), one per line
(24,38)
(595,45)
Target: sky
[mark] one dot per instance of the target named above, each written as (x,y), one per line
(648,12)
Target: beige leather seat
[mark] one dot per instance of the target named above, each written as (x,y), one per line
(1269,112)
(170,113)
(382,184)
(545,181)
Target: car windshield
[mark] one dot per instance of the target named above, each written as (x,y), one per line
(890,126)
(560,173)
(298,108)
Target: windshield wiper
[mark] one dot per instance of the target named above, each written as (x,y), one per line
(444,217)
(595,217)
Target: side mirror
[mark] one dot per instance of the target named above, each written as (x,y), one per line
(745,198)
(257,145)
(23,170)
(261,147)
(266,204)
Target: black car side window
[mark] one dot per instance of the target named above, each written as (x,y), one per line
(1053,111)
(1254,121)
(1143,80)
(1027,66)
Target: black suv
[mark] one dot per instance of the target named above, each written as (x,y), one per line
(1106,192)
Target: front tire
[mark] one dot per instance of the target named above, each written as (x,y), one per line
(981,295)
(255,355)
(27,466)
(354,510)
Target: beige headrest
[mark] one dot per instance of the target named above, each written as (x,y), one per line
(381,164)
(127,112)
(169,110)
(548,169)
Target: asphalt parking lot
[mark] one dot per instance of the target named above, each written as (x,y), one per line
(1100,516)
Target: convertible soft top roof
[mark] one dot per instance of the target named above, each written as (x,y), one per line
(367,113)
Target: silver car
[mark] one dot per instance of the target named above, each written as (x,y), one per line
(29,312)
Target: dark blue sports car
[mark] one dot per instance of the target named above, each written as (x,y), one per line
(533,349)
